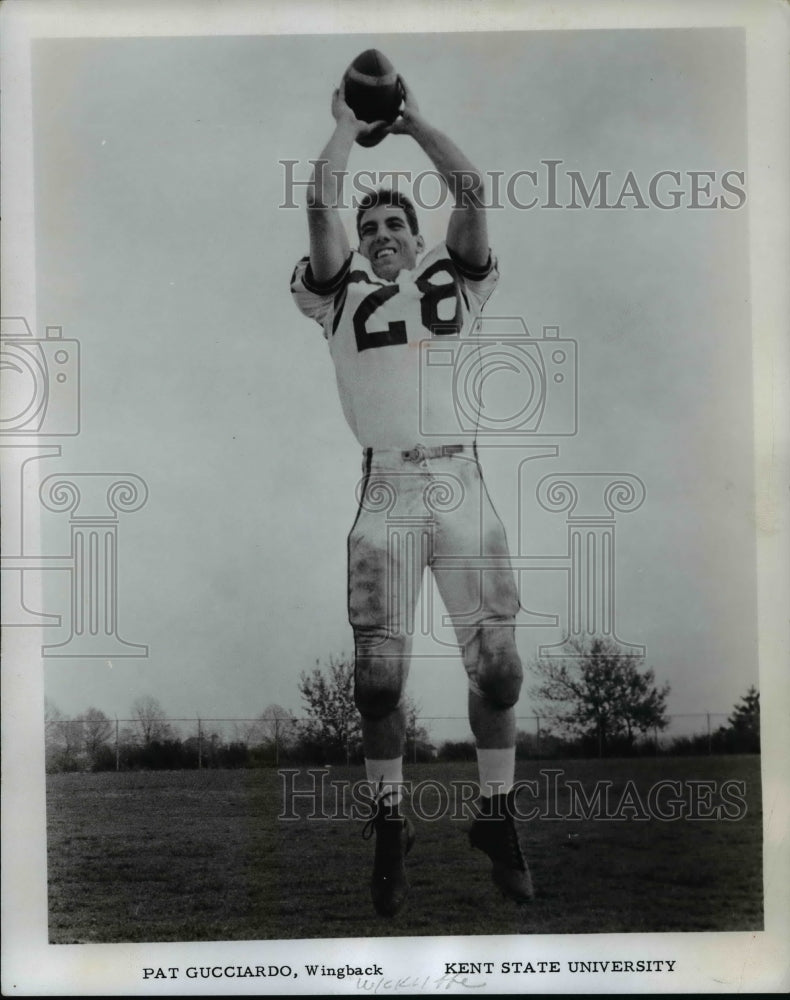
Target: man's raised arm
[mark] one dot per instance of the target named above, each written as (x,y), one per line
(467,233)
(329,247)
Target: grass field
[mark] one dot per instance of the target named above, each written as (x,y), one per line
(201,856)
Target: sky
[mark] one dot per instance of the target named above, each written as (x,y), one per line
(162,248)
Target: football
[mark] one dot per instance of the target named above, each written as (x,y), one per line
(373,92)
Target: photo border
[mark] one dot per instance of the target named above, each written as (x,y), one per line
(706,962)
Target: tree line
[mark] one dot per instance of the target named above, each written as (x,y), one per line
(598,701)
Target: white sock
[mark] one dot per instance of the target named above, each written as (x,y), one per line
(497,770)
(386,777)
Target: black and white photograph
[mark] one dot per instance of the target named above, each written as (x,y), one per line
(394,455)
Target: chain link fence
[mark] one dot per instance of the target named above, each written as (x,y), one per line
(100,743)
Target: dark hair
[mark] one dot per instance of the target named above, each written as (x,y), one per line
(386,197)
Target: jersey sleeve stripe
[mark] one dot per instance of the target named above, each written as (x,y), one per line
(340,301)
(467,271)
(295,271)
(325,287)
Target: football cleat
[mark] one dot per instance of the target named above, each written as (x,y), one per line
(494,831)
(389,886)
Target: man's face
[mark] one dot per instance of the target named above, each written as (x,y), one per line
(387,242)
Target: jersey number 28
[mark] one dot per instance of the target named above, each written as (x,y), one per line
(395,332)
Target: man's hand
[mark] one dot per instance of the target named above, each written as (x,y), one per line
(404,123)
(345,117)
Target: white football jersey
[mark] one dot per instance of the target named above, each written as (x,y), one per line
(374,328)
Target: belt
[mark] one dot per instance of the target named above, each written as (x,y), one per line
(419,452)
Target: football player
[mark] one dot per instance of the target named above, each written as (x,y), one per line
(375,305)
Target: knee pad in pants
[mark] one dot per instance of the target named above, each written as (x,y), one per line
(494,666)
(381,666)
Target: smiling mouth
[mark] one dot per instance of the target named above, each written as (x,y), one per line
(385,252)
